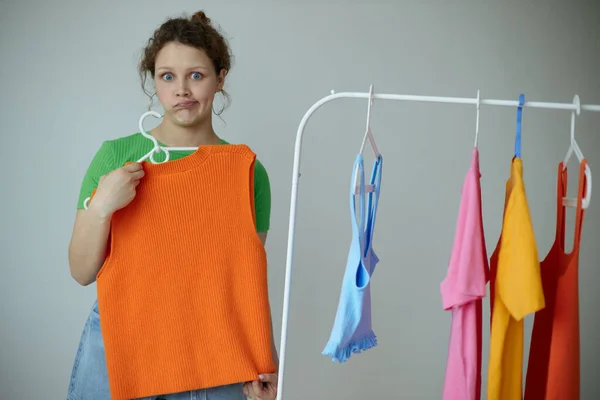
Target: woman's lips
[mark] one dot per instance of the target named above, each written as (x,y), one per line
(186,104)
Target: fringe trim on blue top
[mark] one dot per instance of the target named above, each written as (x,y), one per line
(342,354)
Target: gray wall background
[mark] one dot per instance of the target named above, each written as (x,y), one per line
(69,82)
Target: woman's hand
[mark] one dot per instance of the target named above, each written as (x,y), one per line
(117,188)
(263,389)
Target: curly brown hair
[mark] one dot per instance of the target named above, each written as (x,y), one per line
(196,31)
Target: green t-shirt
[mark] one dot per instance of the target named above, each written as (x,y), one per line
(115,153)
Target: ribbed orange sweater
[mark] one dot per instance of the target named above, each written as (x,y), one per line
(182,295)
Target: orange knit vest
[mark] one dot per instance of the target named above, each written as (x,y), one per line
(183,295)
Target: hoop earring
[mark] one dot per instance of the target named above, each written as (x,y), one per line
(151,102)
(218,113)
(222,108)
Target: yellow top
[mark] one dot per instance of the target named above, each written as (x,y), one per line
(515,290)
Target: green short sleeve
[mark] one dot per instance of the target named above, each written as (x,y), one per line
(262,197)
(102,163)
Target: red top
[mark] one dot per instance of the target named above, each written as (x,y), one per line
(553,372)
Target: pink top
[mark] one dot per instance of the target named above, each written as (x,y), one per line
(462,291)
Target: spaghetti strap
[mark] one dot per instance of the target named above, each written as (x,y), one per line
(580,211)
(561,191)
(358,226)
(372,205)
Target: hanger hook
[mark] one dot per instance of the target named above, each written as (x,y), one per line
(519,124)
(368,128)
(143,131)
(576,111)
(156,148)
(368,134)
(477,119)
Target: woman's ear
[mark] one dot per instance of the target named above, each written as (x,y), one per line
(221,80)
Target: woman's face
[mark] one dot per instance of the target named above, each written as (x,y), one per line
(186,83)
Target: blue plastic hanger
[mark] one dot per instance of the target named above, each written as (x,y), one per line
(519,119)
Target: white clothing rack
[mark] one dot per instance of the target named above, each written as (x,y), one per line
(477,101)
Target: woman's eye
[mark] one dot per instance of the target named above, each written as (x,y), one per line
(167,77)
(196,75)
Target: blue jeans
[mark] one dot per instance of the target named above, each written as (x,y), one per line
(89,378)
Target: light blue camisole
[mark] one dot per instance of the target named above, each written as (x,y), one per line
(352,330)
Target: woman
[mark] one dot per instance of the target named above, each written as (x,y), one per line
(188,60)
